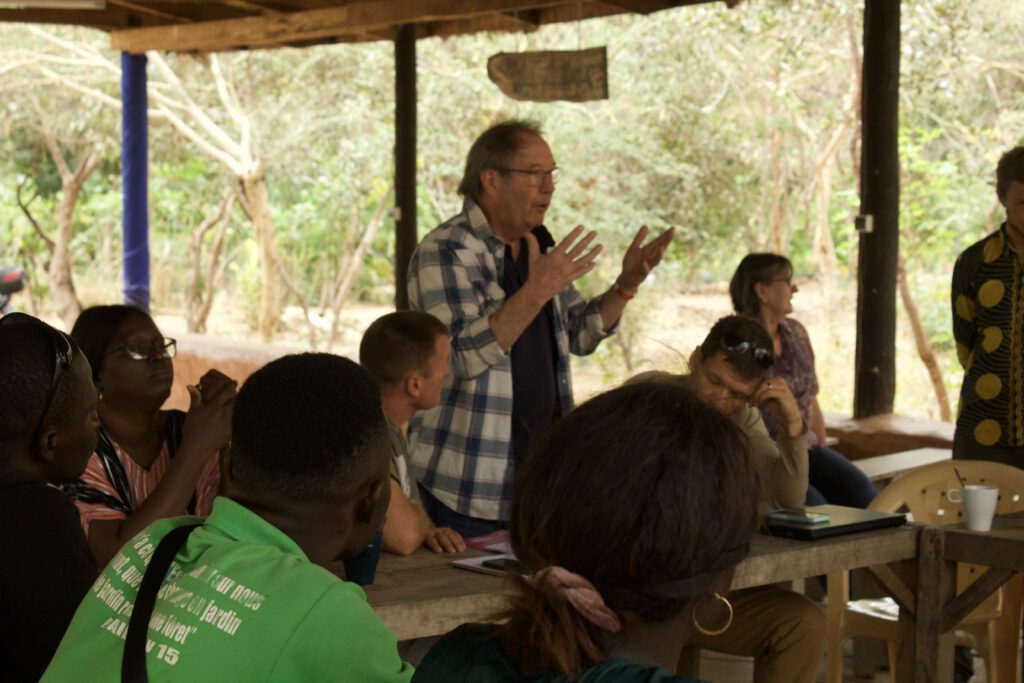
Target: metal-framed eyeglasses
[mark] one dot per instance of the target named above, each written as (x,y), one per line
(535,176)
(738,345)
(63,354)
(162,348)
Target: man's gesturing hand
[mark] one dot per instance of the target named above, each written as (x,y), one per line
(640,258)
(552,272)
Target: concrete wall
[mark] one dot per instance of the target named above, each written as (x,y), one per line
(236,359)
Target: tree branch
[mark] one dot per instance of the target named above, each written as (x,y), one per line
(23,205)
(195,111)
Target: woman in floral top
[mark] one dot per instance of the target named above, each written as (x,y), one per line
(763,288)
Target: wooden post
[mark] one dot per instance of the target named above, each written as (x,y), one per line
(875,365)
(405,159)
(134,181)
(924,652)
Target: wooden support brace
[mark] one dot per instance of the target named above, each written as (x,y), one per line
(895,586)
(974,595)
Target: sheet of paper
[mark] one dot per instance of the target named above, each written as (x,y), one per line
(495,542)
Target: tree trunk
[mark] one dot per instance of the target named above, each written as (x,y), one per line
(924,347)
(62,286)
(258,208)
(200,294)
(347,275)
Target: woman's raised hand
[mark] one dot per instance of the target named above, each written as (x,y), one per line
(209,414)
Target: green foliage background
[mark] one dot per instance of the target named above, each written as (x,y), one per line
(715,117)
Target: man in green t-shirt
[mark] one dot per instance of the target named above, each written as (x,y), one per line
(248,596)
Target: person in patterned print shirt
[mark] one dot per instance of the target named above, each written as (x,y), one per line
(988,324)
(149,463)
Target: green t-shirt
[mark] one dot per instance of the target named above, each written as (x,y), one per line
(242,602)
(470,653)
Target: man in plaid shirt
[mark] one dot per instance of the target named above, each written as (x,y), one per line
(494,275)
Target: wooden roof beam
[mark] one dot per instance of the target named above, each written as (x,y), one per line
(256,8)
(640,6)
(492,23)
(356,18)
(148,11)
(108,20)
(523,22)
(525,19)
(184,12)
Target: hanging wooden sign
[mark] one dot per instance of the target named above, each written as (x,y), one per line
(574,75)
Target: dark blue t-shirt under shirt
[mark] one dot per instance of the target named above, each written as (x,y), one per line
(534,391)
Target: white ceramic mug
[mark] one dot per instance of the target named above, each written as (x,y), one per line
(979,503)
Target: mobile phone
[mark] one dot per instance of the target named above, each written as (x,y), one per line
(798,516)
(506,564)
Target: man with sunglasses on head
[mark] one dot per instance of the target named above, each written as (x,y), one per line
(48,427)
(729,371)
(495,276)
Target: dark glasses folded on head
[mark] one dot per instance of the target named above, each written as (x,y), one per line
(736,344)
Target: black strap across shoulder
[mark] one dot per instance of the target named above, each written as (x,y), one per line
(133,662)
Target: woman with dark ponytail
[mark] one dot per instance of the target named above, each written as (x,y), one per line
(632,512)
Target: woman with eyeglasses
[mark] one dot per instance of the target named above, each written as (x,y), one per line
(632,513)
(763,288)
(47,431)
(149,463)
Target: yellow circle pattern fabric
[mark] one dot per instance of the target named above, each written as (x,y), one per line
(988,327)
(987,432)
(988,386)
(993,249)
(991,293)
(993,338)
(962,354)
(964,307)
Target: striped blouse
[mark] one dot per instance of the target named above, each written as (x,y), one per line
(113,485)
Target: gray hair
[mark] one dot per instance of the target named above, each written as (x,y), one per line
(494,149)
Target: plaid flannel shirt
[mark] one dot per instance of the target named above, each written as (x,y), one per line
(462,448)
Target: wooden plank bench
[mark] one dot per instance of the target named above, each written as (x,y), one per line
(884,434)
(882,469)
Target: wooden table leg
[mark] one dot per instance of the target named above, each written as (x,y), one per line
(924,652)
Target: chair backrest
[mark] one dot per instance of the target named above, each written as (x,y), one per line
(923,492)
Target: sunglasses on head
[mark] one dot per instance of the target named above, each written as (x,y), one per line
(738,345)
(60,346)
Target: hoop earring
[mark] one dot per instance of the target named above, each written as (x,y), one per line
(717,631)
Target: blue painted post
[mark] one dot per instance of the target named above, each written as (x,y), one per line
(135,181)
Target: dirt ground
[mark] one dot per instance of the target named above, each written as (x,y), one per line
(660,331)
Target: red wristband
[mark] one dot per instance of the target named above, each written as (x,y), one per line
(623,294)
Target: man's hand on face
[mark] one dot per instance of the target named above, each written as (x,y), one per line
(641,259)
(552,272)
(774,394)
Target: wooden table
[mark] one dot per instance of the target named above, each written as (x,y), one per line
(1002,550)
(423,595)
